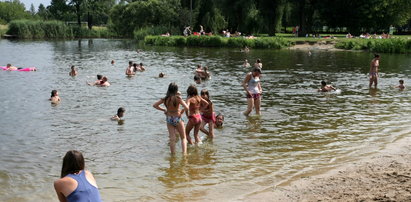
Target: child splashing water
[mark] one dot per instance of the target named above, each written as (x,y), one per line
(194,102)
(172,102)
(207,115)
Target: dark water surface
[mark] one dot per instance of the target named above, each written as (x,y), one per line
(300,131)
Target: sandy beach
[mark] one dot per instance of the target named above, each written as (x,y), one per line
(384,176)
(321,45)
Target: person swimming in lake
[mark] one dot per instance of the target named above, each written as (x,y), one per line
(172,101)
(374,65)
(207,115)
(194,102)
(161,75)
(252,87)
(130,71)
(246,64)
(73,71)
(325,87)
(258,64)
(401,86)
(9,67)
(104,82)
(197,79)
(54,98)
(119,115)
(219,121)
(76,183)
(97,82)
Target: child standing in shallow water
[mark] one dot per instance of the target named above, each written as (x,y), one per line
(208,115)
(172,102)
(194,102)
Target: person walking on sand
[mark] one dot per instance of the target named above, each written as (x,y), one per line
(375,64)
(172,102)
(76,183)
(194,102)
(252,87)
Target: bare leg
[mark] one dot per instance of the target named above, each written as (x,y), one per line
(257,104)
(202,128)
(375,82)
(172,136)
(188,129)
(211,130)
(250,106)
(181,131)
(196,130)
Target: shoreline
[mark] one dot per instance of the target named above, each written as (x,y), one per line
(315,46)
(383,176)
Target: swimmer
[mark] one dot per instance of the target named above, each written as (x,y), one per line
(129,71)
(197,79)
(76,183)
(219,120)
(55,97)
(325,87)
(258,64)
(194,102)
(246,49)
(97,82)
(142,68)
(401,86)
(73,71)
(252,87)
(11,68)
(246,64)
(104,82)
(172,102)
(375,64)
(207,115)
(119,115)
(112,62)
(161,75)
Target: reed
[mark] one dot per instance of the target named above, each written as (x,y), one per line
(395,45)
(29,29)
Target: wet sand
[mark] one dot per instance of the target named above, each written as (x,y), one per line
(384,176)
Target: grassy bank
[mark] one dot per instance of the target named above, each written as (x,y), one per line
(396,45)
(29,29)
(3,29)
(217,41)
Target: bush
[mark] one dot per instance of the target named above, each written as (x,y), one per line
(377,45)
(27,29)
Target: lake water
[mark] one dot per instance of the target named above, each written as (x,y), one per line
(300,132)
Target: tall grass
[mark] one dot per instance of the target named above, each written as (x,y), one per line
(3,29)
(217,41)
(28,29)
(396,45)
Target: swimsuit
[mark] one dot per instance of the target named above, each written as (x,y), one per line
(173,120)
(196,118)
(252,87)
(208,119)
(373,74)
(84,191)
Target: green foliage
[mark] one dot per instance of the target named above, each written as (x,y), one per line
(376,45)
(12,10)
(27,29)
(217,41)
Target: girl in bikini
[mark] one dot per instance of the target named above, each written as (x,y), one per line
(208,115)
(252,87)
(172,102)
(194,102)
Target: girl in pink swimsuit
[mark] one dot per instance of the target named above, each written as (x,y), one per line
(208,115)
(194,102)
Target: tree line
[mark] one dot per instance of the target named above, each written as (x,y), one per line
(129,18)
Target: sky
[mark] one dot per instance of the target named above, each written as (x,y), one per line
(36,3)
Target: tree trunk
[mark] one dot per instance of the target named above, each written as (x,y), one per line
(89,20)
(78,15)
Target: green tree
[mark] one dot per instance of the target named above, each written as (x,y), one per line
(42,12)
(12,10)
(60,10)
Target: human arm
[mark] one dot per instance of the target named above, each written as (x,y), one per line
(245,83)
(157,105)
(184,104)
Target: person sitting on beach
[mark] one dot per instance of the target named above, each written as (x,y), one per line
(219,120)
(166,34)
(258,64)
(76,183)
(10,67)
(119,115)
(207,115)
(54,97)
(401,86)
(246,64)
(194,102)
(325,87)
(104,82)
(172,102)
(130,71)
(73,71)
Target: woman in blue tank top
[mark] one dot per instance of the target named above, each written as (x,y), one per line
(76,184)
